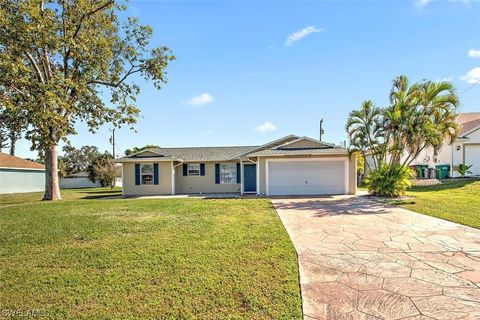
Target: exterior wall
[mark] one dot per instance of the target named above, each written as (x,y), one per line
(202,184)
(80,182)
(19,181)
(352,172)
(164,186)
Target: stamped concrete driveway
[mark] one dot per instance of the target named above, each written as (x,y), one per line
(363,260)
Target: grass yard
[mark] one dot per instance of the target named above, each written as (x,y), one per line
(92,258)
(457,200)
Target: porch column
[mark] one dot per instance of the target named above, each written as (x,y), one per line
(173,178)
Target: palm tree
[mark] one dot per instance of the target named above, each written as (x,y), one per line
(364,128)
(439,103)
(419,116)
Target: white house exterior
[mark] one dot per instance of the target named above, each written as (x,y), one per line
(465,149)
(77,181)
(18,175)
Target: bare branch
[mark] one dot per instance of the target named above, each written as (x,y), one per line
(116,84)
(35,67)
(86,15)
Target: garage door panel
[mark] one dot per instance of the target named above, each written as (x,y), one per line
(472,157)
(306,177)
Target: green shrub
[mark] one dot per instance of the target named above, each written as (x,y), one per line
(463,169)
(389,181)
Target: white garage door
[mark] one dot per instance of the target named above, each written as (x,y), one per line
(472,157)
(297,177)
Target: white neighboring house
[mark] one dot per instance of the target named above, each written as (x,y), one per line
(78,180)
(19,175)
(465,149)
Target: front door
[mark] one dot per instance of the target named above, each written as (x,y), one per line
(250,178)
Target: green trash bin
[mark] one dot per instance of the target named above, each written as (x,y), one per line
(420,172)
(443,171)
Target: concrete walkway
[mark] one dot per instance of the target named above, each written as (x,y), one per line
(363,260)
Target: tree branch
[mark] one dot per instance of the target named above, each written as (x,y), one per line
(86,15)
(116,84)
(35,67)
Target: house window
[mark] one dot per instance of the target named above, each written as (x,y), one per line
(228,173)
(193,169)
(146,173)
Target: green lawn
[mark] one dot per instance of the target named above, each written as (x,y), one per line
(92,258)
(457,200)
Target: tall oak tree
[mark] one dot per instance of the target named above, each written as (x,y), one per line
(70,61)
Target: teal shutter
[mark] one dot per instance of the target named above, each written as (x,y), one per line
(202,169)
(185,168)
(217,173)
(155,173)
(137,174)
(239,173)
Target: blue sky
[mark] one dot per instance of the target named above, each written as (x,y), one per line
(238,80)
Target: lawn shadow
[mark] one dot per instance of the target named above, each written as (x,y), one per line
(445,185)
(101,194)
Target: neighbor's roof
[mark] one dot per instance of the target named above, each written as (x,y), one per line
(468,121)
(8,161)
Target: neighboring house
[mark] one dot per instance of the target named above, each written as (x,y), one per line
(78,180)
(288,166)
(18,175)
(465,149)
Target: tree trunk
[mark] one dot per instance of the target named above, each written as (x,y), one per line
(12,146)
(52,186)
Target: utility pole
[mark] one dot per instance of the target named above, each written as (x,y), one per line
(321,129)
(112,141)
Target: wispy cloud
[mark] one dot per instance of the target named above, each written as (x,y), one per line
(207,133)
(266,127)
(450,78)
(200,100)
(472,53)
(421,3)
(472,76)
(299,35)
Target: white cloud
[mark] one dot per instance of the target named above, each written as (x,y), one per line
(421,3)
(266,127)
(472,53)
(200,100)
(299,35)
(207,133)
(450,78)
(472,76)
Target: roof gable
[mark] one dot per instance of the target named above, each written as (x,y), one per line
(304,143)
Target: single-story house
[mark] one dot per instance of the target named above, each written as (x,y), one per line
(290,165)
(465,149)
(18,175)
(78,180)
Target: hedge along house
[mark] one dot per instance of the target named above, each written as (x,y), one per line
(291,165)
(18,175)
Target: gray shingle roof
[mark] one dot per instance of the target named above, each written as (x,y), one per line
(204,153)
(230,153)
